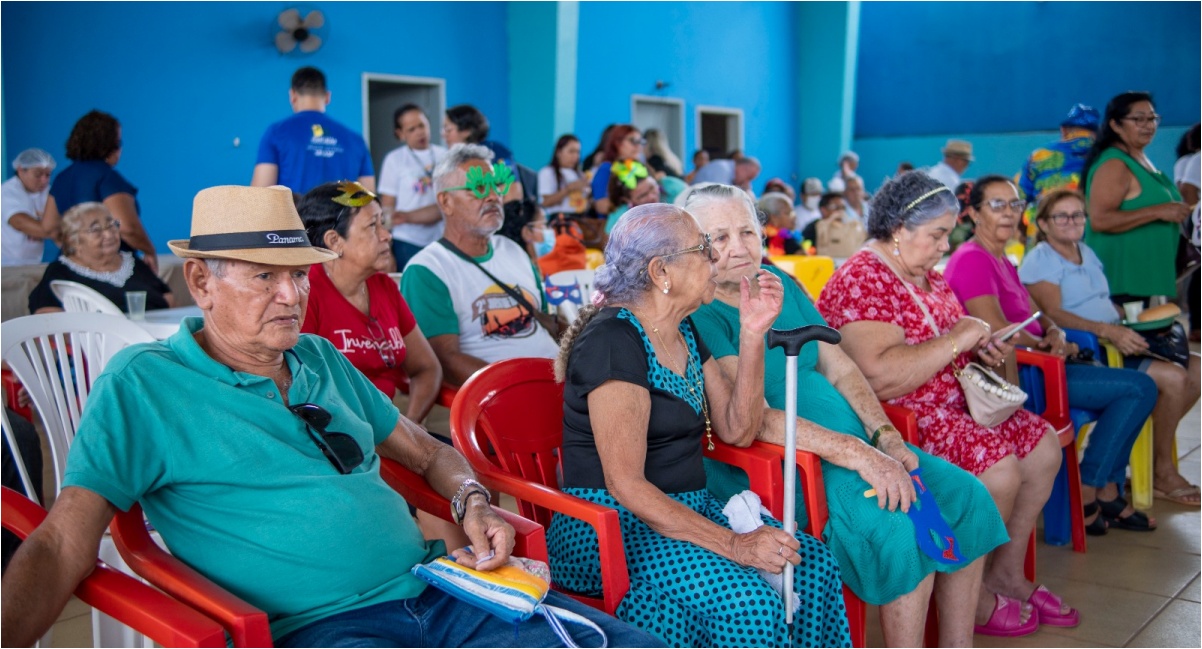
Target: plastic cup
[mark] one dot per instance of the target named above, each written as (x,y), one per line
(1132,310)
(135,304)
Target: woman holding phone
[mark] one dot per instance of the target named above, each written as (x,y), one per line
(988,286)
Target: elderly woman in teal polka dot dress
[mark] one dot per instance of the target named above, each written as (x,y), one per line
(641,395)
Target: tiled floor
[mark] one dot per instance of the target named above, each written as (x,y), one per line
(1133,589)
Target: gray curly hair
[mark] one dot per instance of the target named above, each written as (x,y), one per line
(908,201)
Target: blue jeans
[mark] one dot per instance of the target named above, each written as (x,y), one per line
(435,619)
(403,251)
(1123,400)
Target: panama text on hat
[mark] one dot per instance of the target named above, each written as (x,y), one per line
(255,224)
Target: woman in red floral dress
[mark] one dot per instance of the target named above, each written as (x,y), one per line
(879,300)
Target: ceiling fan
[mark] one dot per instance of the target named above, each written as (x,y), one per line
(297,33)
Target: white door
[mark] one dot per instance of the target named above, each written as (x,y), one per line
(663,113)
(383,94)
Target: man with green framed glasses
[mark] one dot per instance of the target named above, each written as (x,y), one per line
(476,296)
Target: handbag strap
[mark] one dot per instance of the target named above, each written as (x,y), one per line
(511,291)
(556,617)
(921,305)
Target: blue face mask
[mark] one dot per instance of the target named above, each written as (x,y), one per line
(547,244)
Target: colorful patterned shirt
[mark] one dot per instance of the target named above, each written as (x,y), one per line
(1054,166)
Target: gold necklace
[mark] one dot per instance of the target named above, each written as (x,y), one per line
(705,410)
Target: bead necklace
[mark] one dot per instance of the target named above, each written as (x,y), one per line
(709,433)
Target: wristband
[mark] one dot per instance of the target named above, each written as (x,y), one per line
(955,351)
(876,434)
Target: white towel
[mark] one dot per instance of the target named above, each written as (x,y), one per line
(745,512)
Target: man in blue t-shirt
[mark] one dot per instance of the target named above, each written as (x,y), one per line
(308,149)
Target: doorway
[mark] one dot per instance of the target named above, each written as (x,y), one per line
(720,130)
(663,113)
(383,94)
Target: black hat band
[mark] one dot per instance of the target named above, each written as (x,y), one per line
(245,240)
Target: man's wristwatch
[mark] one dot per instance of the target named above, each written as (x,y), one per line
(466,491)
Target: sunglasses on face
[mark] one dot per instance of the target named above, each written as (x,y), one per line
(999,205)
(339,448)
(382,345)
(1062,218)
(636,140)
(706,248)
(480,183)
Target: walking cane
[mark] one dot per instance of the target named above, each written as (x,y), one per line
(792,341)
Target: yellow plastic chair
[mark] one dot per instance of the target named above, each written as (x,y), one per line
(812,272)
(593,258)
(1141,453)
(1015,251)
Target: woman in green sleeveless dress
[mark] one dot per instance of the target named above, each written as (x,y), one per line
(1134,209)
(1135,213)
(873,541)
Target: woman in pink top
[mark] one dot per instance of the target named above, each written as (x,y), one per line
(988,286)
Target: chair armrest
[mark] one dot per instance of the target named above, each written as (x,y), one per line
(530,539)
(146,610)
(1054,385)
(762,465)
(247,625)
(905,421)
(1084,340)
(615,576)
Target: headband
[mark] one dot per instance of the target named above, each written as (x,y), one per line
(925,196)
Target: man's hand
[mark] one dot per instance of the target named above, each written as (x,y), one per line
(492,538)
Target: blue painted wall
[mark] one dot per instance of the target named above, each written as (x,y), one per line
(737,55)
(185,79)
(929,68)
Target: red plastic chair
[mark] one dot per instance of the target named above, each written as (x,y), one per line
(1056,412)
(907,424)
(514,408)
(11,389)
(247,625)
(134,604)
(446,393)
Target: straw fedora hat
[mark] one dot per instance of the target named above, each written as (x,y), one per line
(960,148)
(255,224)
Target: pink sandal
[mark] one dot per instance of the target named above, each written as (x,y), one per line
(1048,606)
(1006,619)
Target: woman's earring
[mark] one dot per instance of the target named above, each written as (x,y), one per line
(896,247)
(665,288)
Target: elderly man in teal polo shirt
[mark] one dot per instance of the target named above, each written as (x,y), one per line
(255,452)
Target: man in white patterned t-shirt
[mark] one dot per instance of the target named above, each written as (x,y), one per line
(407,185)
(454,287)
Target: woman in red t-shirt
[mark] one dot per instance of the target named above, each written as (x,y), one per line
(356,306)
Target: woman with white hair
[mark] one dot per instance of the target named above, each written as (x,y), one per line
(22,203)
(92,256)
(842,422)
(641,396)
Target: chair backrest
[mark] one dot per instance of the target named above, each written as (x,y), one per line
(77,298)
(58,356)
(582,278)
(18,459)
(515,407)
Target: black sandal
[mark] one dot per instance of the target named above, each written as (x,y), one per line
(1098,526)
(1136,522)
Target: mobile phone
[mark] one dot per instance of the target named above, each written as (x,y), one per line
(1023,325)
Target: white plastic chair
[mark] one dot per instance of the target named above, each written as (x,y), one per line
(584,279)
(57,357)
(77,298)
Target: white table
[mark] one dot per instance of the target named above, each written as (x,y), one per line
(162,323)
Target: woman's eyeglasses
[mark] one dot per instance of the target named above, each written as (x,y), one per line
(1063,218)
(1143,120)
(339,448)
(998,204)
(97,229)
(383,346)
(706,248)
(636,140)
